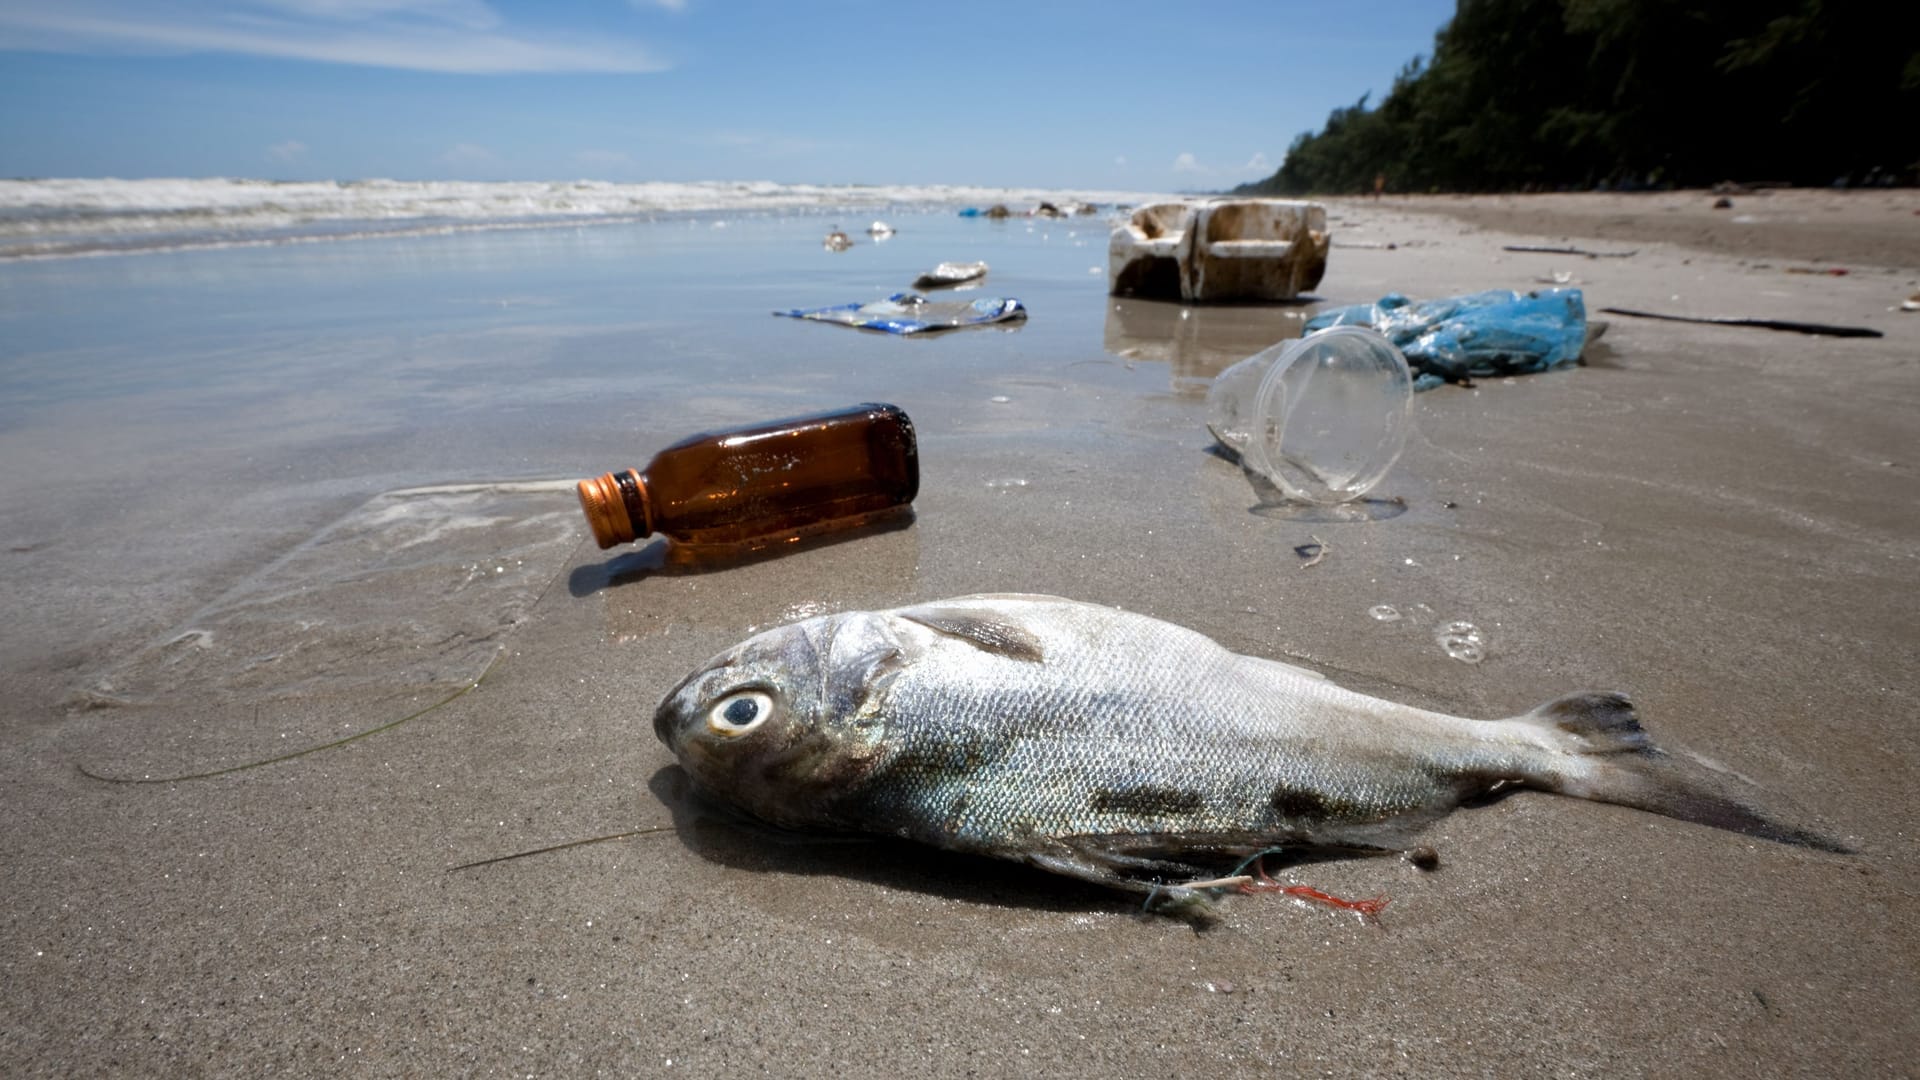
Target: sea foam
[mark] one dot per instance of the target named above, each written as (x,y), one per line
(56,218)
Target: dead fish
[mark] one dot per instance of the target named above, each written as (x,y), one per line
(1118,748)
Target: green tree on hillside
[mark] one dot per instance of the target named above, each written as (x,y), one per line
(1527,94)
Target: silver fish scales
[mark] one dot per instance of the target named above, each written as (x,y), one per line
(1122,749)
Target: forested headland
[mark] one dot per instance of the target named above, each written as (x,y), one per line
(1525,95)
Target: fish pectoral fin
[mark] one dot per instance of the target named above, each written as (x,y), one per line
(1095,859)
(1141,862)
(1071,864)
(984,630)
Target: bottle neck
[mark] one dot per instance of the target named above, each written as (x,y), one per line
(617,507)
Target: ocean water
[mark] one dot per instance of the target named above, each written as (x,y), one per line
(57,217)
(420,329)
(175,421)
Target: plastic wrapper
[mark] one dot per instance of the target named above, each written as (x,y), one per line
(910,313)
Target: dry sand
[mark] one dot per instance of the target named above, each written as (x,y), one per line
(1860,229)
(1719,521)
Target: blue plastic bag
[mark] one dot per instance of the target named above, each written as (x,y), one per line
(1455,338)
(910,313)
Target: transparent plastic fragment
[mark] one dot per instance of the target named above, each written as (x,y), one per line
(402,601)
(413,586)
(1323,417)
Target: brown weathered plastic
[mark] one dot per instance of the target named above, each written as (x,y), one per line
(748,488)
(1220,249)
(1257,249)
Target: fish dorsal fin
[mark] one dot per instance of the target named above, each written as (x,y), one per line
(983,629)
(1291,669)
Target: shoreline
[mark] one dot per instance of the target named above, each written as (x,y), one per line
(223,516)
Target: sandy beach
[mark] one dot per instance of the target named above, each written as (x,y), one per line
(265,498)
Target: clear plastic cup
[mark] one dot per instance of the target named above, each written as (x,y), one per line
(1322,417)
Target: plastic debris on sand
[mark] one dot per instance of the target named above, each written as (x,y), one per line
(910,313)
(948,274)
(1480,335)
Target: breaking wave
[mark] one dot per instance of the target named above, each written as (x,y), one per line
(62,218)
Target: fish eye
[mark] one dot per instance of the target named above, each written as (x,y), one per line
(739,712)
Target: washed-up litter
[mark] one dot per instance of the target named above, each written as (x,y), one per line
(445,573)
(1820,329)
(910,313)
(1312,553)
(841,470)
(1455,338)
(1321,418)
(1830,271)
(1220,249)
(1911,303)
(1068,208)
(949,274)
(1540,250)
(837,241)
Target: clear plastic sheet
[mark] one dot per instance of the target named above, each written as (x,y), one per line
(401,602)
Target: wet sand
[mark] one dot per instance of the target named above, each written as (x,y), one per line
(258,500)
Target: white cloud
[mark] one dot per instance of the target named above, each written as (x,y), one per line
(1188,163)
(289,151)
(473,14)
(1257,163)
(450,36)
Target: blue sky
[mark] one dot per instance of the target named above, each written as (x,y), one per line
(1122,95)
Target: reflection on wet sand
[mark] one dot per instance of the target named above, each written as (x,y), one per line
(1198,342)
(874,566)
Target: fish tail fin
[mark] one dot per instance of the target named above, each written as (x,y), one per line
(1618,763)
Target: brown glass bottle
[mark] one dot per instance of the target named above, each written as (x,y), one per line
(747,488)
